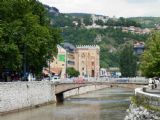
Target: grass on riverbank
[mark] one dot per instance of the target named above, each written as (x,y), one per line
(144,102)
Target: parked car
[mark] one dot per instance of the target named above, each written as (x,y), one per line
(55,79)
(52,78)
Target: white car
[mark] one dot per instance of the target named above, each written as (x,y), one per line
(55,79)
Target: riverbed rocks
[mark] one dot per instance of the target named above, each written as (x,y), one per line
(140,113)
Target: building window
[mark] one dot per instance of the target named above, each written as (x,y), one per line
(82,63)
(92,63)
(83,55)
(82,68)
(83,73)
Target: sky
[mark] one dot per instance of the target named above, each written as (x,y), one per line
(117,8)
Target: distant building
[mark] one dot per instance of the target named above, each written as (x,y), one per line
(157,26)
(84,58)
(103,72)
(114,72)
(136,30)
(87,60)
(99,17)
(70,54)
(75,23)
(58,65)
(138,48)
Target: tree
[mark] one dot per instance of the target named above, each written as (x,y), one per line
(150,61)
(127,61)
(99,22)
(26,39)
(87,20)
(72,72)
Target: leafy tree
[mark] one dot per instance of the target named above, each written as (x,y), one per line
(146,22)
(87,20)
(62,20)
(26,39)
(150,61)
(127,61)
(99,22)
(122,22)
(72,72)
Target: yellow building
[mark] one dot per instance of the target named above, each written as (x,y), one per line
(87,60)
(84,58)
(59,62)
(70,54)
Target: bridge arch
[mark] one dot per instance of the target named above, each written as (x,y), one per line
(64,87)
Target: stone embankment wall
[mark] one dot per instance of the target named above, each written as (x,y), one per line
(15,96)
(144,106)
(83,90)
(21,95)
(149,99)
(140,113)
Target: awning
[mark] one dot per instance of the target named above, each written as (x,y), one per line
(52,70)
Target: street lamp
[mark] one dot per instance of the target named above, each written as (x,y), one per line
(49,70)
(24,62)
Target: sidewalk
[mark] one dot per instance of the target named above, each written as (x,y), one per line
(154,91)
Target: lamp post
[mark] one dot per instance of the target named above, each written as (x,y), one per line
(49,71)
(49,65)
(24,62)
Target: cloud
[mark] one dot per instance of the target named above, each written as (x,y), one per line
(142,1)
(118,8)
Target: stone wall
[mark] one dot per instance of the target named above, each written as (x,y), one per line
(147,98)
(140,113)
(16,96)
(144,106)
(20,95)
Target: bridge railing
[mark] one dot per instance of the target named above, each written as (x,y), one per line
(137,80)
(140,80)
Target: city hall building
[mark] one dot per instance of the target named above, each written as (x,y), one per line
(84,58)
(87,60)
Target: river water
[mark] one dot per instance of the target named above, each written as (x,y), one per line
(106,104)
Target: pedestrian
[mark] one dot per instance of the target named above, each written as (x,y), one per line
(151,83)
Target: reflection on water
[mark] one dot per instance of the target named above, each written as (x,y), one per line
(106,104)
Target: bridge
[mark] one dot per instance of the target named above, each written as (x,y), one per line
(63,86)
(20,95)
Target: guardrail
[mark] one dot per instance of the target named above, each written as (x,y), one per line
(140,80)
(136,80)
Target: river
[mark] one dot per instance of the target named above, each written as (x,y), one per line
(106,104)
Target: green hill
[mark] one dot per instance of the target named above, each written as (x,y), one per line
(147,22)
(109,39)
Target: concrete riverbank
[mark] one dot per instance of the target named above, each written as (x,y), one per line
(16,96)
(23,95)
(144,105)
(140,113)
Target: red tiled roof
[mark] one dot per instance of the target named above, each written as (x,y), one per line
(52,70)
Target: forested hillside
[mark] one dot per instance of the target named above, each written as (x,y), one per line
(109,39)
(147,22)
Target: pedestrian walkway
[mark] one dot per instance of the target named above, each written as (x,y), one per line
(154,91)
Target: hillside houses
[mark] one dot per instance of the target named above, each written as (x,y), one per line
(136,30)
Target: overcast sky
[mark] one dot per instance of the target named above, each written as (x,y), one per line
(118,8)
